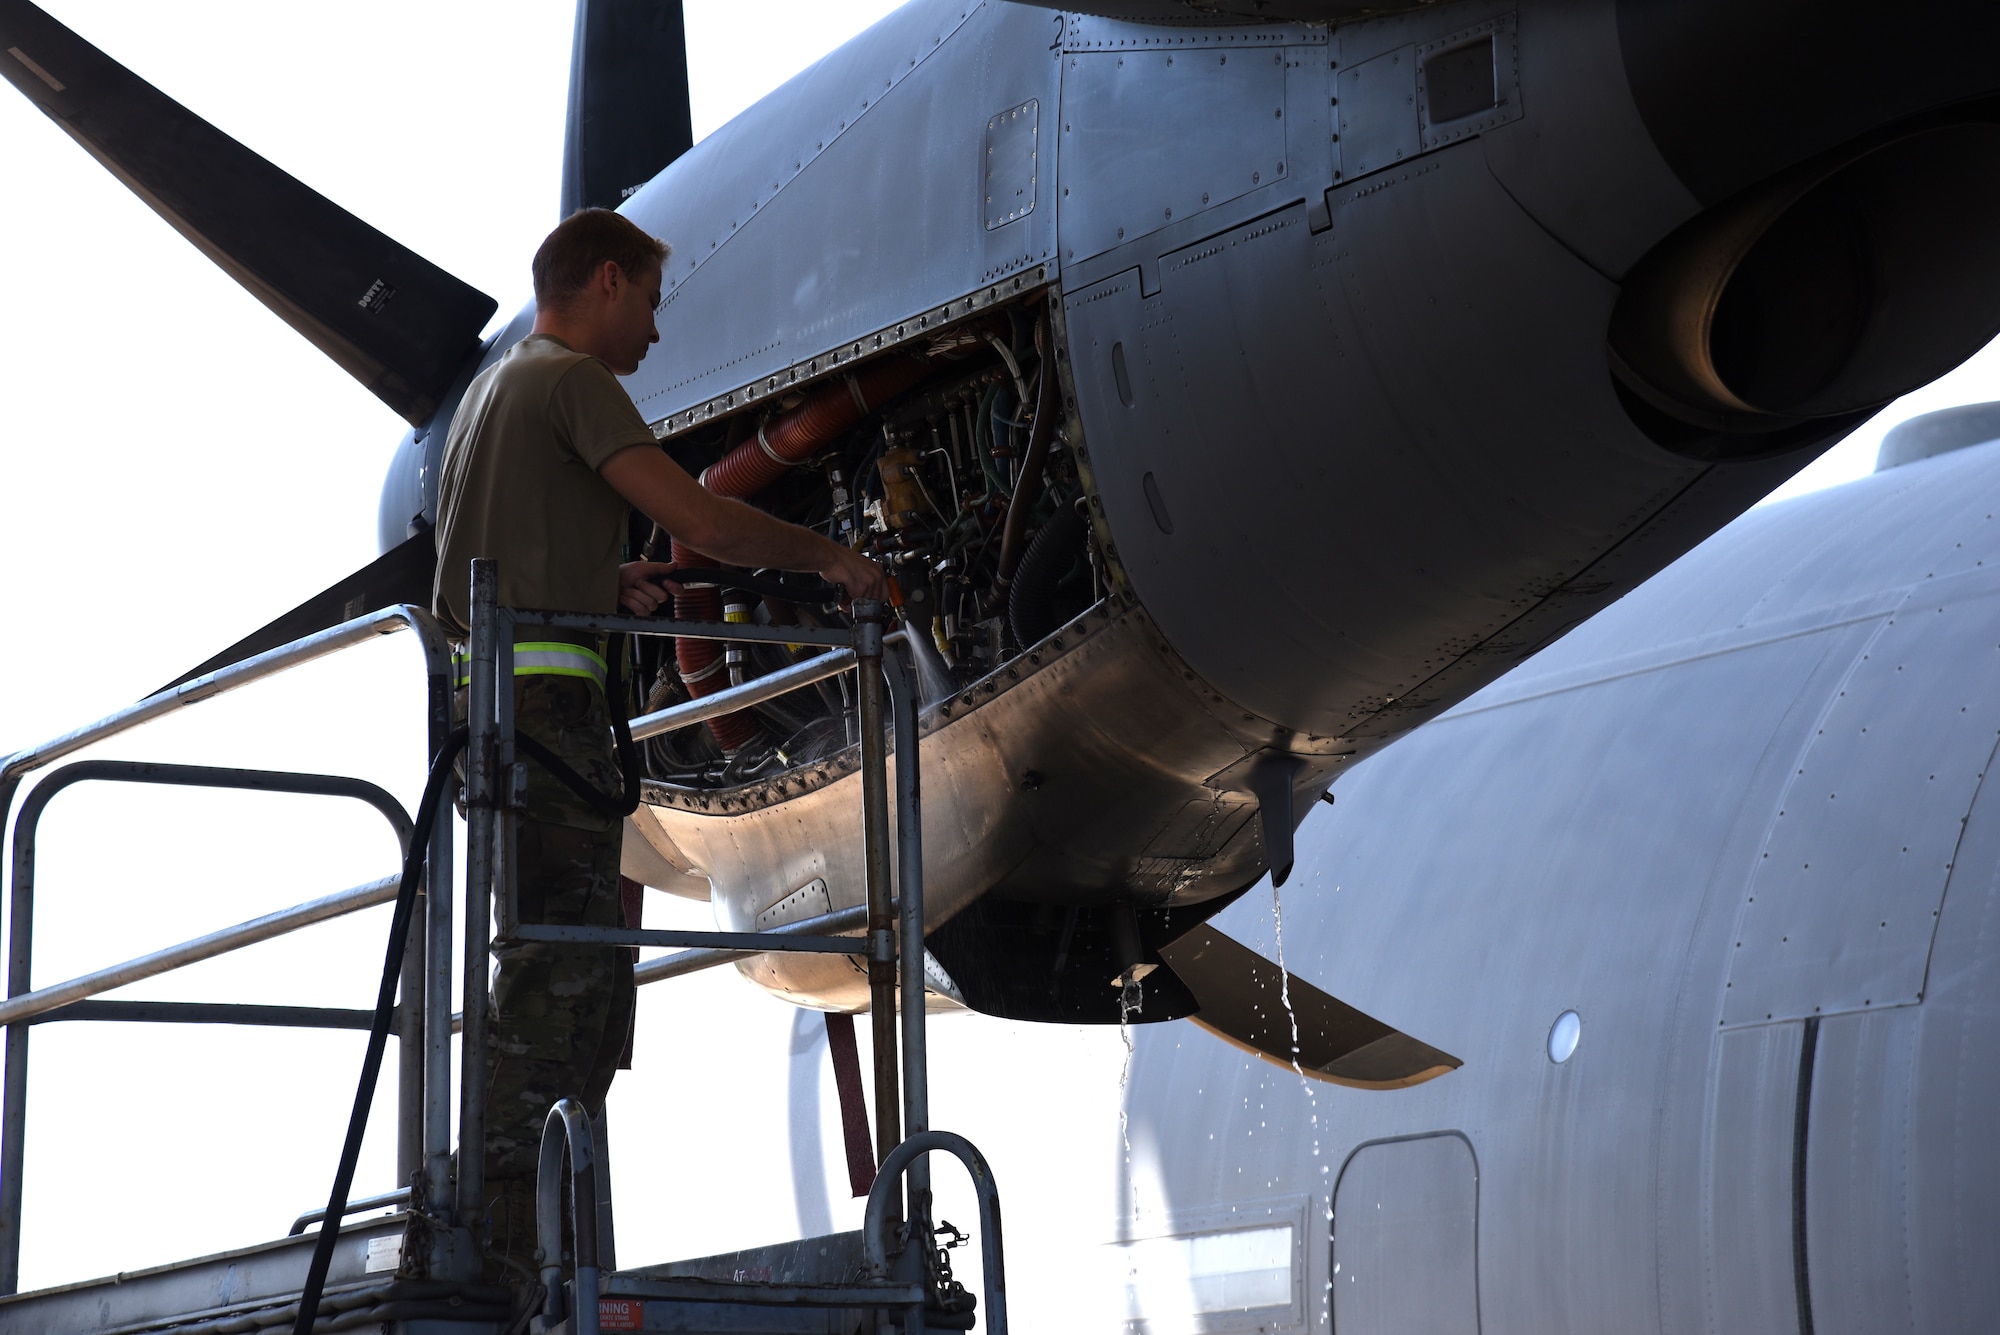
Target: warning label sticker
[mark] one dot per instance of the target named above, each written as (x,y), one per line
(621,1314)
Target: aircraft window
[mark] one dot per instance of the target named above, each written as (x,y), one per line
(1563,1036)
(1205,1273)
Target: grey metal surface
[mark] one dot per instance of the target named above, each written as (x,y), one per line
(1152,135)
(1405,1238)
(1298,266)
(1584,835)
(1747,1187)
(1840,911)
(1137,788)
(1341,630)
(243,1283)
(1937,433)
(898,116)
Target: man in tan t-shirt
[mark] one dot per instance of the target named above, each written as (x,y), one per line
(546,459)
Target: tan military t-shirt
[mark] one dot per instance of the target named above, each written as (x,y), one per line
(520,483)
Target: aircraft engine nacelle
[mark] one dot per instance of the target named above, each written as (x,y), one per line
(1378,356)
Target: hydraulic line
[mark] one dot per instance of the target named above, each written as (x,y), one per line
(785,440)
(1029,484)
(378,1031)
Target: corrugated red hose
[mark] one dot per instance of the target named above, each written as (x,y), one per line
(792,437)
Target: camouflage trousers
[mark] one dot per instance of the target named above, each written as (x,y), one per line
(559,1016)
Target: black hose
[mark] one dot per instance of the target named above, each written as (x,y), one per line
(378,1033)
(414,859)
(1031,603)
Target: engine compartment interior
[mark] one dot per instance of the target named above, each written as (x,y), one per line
(947,461)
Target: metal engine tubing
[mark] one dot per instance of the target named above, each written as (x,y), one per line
(787,439)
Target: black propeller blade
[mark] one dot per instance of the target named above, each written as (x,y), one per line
(1242,1001)
(401,575)
(393,320)
(628,100)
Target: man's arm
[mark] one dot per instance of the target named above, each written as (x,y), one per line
(729,530)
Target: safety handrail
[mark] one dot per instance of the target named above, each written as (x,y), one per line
(425,1064)
(28,1005)
(894,908)
(877,1219)
(21,940)
(755,692)
(400,1196)
(568,1128)
(360,630)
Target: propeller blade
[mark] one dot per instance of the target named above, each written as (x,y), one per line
(628,100)
(1242,1002)
(403,574)
(393,320)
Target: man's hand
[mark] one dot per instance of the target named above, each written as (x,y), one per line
(861,577)
(643,587)
(729,531)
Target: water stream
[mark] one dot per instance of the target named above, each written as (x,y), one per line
(1312,1094)
(1130,1002)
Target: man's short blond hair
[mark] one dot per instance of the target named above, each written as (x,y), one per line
(584,241)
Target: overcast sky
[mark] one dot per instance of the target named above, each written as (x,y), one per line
(179,467)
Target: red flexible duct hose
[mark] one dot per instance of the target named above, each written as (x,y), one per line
(799,434)
(694,657)
(746,470)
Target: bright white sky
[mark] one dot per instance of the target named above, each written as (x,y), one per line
(180,467)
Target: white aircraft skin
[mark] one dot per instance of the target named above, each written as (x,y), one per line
(1593,834)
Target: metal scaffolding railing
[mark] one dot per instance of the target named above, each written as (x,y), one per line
(425,1057)
(451,1191)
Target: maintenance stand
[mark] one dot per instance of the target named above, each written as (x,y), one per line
(416,1271)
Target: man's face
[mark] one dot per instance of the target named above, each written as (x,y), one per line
(629,320)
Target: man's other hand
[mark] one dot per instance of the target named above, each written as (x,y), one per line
(861,577)
(643,587)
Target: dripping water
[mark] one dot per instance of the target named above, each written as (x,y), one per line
(1130,1002)
(1311,1093)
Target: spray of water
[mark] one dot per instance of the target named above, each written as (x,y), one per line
(934,681)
